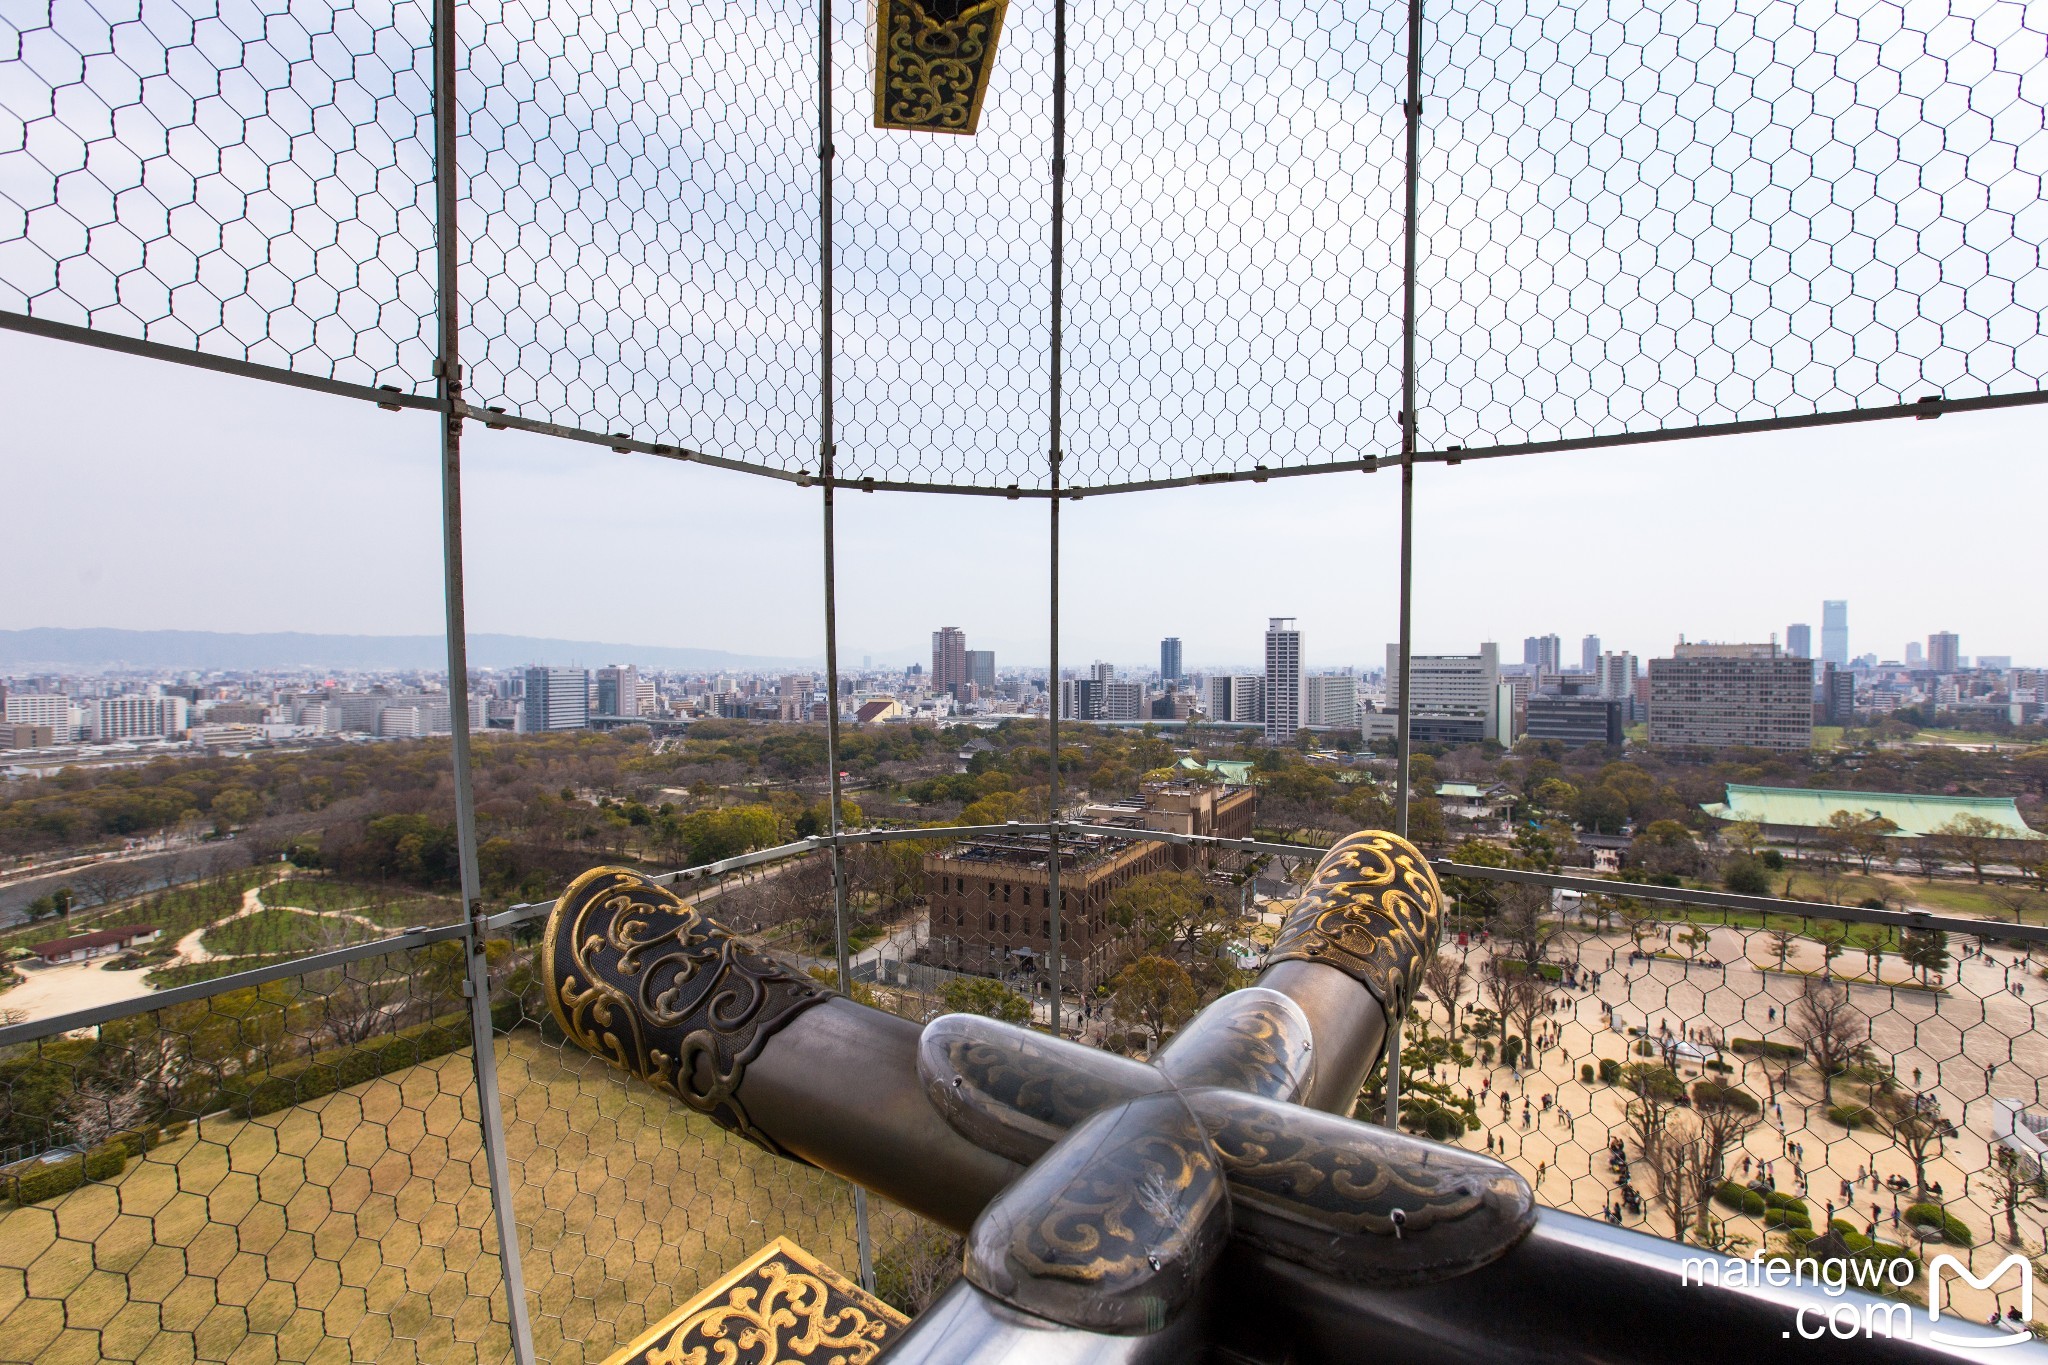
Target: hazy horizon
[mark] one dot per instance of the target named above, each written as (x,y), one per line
(200,501)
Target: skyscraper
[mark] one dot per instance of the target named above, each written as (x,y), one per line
(1589,654)
(981,670)
(1799,640)
(618,690)
(1169,660)
(1834,633)
(1617,675)
(1283,679)
(1944,650)
(1541,653)
(949,659)
(556,699)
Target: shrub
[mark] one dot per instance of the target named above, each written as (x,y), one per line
(1610,1070)
(326,1072)
(136,1141)
(1644,1048)
(1788,1218)
(1750,1047)
(1772,859)
(1747,877)
(43,1180)
(1954,1230)
(1510,1051)
(1740,1198)
(1586,1073)
(1850,1115)
(1721,1094)
(106,1161)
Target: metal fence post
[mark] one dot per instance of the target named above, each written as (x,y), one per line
(825,452)
(1052,679)
(1403,740)
(476,980)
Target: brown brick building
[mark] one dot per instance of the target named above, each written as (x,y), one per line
(990,898)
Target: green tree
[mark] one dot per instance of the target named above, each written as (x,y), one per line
(979,995)
(1163,911)
(1155,993)
(1971,839)
(729,831)
(1666,848)
(1925,951)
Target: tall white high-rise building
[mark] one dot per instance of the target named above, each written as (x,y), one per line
(1283,679)
(1238,698)
(1617,673)
(1329,700)
(1834,633)
(556,699)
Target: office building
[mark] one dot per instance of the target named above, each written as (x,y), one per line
(1540,653)
(556,699)
(949,660)
(1916,657)
(135,717)
(1834,633)
(1732,696)
(618,690)
(1799,640)
(1589,654)
(41,708)
(1123,701)
(981,670)
(1574,719)
(26,736)
(1614,675)
(1283,680)
(1837,696)
(1329,701)
(1169,660)
(1454,698)
(991,900)
(1084,699)
(1238,698)
(1944,652)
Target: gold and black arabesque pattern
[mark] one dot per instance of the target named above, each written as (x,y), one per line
(933,59)
(1367,1203)
(1255,1040)
(780,1306)
(640,978)
(1372,910)
(1015,1092)
(1114,1229)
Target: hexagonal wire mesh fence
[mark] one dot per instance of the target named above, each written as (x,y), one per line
(1232,245)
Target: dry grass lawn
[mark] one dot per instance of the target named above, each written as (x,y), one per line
(358,1227)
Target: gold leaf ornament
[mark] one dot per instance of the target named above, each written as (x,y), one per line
(933,60)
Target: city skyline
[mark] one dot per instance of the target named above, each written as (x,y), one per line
(301,489)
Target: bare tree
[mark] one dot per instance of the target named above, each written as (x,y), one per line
(1444,979)
(1517,994)
(100,1108)
(1829,1029)
(109,881)
(2016,1184)
(1914,1123)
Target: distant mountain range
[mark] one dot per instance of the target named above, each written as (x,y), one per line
(49,647)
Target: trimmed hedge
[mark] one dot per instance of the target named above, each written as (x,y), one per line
(1850,1115)
(1610,1071)
(1750,1047)
(1739,1198)
(44,1180)
(1586,1073)
(1954,1230)
(323,1073)
(1720,1094)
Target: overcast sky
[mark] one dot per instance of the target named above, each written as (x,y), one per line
(1633,216)
(152,496)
